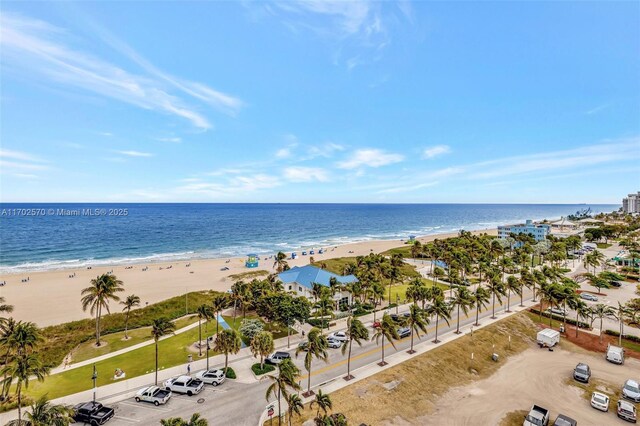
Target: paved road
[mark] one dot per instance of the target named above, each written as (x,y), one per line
(235,403)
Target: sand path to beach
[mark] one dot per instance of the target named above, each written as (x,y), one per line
(51,297)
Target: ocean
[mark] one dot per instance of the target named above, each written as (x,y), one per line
(55,236)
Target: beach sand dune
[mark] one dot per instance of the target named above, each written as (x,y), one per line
(51,297)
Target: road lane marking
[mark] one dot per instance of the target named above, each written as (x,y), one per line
(144,405)
(126,419)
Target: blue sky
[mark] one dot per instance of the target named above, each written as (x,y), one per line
(320,101)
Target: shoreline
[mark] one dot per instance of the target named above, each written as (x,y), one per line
(53,297)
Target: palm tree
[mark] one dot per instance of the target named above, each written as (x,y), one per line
(582,311)
(262,345)
(228,341)
(356,332)
(220,303)
(324,307)
(280,262)
(205,312)
(316,347)
(323,401)
(550,293)
(195,420)
(621,313)
(514,285)
(386,330)
(4,308)
(601,311)
(287,378)
(462,300)
(480,298)
(395,263)
(496,289)
(25,337)
(441,309)
(595,280)
(295,406)
(416,322)
(44,413)
(160,327)
(132,301)
(96,297)
(20,371)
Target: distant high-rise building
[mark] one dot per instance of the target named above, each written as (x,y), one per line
(631,204)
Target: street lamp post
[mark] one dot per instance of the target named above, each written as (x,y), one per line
(94,377)
(208,348)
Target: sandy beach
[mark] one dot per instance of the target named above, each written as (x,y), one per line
(52,297)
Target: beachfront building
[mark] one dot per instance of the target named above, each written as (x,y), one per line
(538,231)
(300,280)
(631,203)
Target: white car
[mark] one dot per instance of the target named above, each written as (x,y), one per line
(212,377)
(588,296)
(600,401)
(631,390)
(185,385)
(340,336)
(557,311)
(333,343)
(154,395)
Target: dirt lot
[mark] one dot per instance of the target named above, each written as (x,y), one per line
(534,376)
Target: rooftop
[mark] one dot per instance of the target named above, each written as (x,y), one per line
(307,275)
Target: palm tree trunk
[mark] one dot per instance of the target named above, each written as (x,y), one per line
(217,322)
(126,326)
(577,324)
(98,325)
(493,306)
(288,336)
(309,381)
(458,324)
(521,297)
(600,329)
(477,315)
(508,301)
(349,361)
(19,394)
(437,320)
(279,409)
(199,336)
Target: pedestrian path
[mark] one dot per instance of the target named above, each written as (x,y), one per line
(226,326)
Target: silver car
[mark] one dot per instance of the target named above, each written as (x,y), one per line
(631,390)
(588,296)
(582,373)
(334,343)
(213,377)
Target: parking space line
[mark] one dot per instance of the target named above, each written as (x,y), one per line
(144,405)
(126,419)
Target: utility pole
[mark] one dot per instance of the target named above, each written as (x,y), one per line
(94,377)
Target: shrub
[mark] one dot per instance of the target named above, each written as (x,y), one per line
(630,337)
(257,371)
(250,327)
(229,373)
(317,322)
(559,318)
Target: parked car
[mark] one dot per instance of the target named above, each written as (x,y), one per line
(627,411)
(184,385)
(334,344)
(303,346)
(537,416)
(563,420)
(631,390)
(277,357)
(582,373)
(154,395)
(615,283)
(600,401)
(339,335)
(557,311)
(588,296)
(213,376)
(404,332)
(93,413)
(615,354)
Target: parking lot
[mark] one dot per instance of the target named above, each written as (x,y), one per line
(540,377)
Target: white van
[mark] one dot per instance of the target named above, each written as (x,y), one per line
(548,338)
(615,354)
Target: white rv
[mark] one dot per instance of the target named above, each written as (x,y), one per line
(548,338)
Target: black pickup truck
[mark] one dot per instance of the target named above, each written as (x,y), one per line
(92,413)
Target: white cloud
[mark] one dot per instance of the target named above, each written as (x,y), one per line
(370,158)
(234,187)
(19,160)
(135,153)
(171,139)
(19,155)
(406,188)
(434,151)
(306,174)
(283,153)
(597,109)
(325,150)
(35,46)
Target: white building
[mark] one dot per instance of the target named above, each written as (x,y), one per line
(300,280)
(631,204)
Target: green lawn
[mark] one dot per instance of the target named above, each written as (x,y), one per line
(172,351)
(603,245)
(400,290)
(115,341)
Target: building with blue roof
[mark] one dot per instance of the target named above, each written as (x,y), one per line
(300,280)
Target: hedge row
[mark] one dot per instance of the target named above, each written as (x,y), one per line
(630,337)
(559,318)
